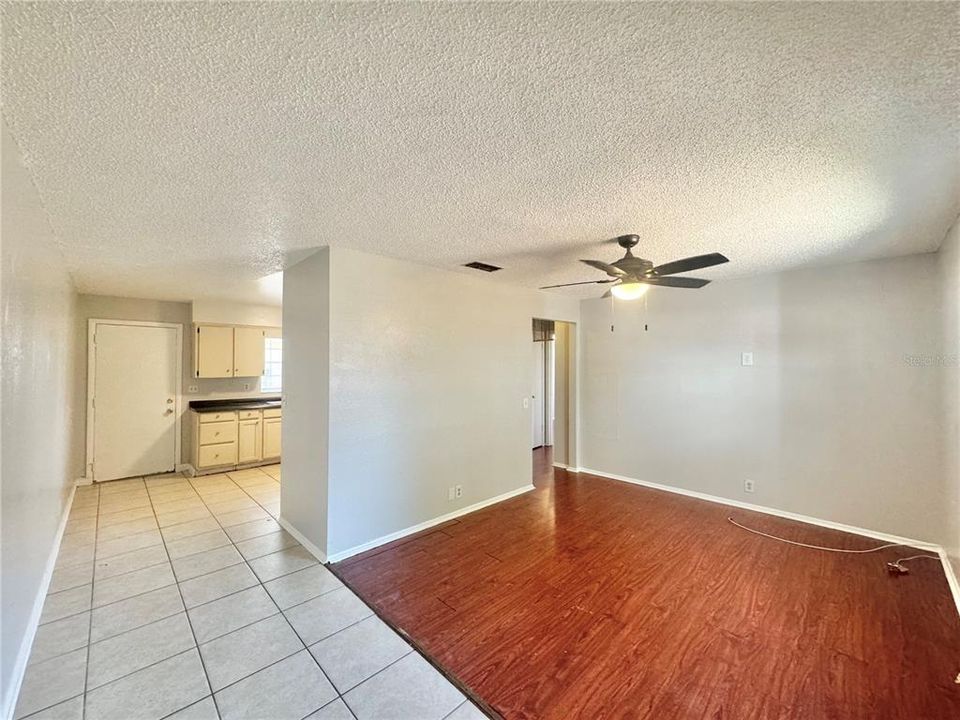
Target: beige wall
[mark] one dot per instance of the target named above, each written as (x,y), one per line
(564,372)
(38,306)
(306,395)
(949,267)
(231,313)
(838,419)
(113,308)
(428,370)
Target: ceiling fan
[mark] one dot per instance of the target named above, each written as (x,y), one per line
(632,276)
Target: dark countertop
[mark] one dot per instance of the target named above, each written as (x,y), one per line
(206,406)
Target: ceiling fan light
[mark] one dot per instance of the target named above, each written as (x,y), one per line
(629,291)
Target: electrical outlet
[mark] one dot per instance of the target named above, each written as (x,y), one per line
(746,359)
(748,486)
(459,491)
(193,388)
(451,493)
(246,386)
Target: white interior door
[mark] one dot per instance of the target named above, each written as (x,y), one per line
(135,403)
(536,394)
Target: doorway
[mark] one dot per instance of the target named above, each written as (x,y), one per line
(552,393)
(541,391)
(133,398)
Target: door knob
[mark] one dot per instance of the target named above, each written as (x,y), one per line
(169,401)
(169,411)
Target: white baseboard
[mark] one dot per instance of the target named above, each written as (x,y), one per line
(951,577)
(300,538)
(185,468)
(886,537)
(26,645)
(356,550)
(83,481)
(876,535)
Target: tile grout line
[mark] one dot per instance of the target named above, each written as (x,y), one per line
(197,577)
(93,573)
(340,695)
(260,583)
(183,604)
(304,646)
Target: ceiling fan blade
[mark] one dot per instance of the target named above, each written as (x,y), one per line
(611,270)
(679,282)
(691,263)
(607,294)
(585,282)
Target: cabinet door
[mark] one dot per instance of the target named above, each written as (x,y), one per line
(248,352)
(271,438)
(250,437)
(214,351)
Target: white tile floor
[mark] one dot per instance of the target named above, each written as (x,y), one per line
(182,598)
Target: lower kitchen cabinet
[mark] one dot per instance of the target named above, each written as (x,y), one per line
(250,441)
(271,437)
(225,440)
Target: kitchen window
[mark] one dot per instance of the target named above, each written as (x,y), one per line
(272,379)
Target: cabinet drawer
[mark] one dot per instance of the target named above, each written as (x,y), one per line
(220,454)
(272,413)
(249,414)
(217,417)
(221,432)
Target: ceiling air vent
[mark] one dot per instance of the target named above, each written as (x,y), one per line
(482,266)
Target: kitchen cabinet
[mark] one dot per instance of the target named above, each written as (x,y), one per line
(250,440)
(214,351)
(226,439)
(214,440)
(271,435)
(223,351)
(248,351)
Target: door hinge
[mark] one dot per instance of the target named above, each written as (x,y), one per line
(93,403)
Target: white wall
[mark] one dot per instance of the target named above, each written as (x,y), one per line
(306,407)
(837,419)
(949,266)
(427,374)
(38,306)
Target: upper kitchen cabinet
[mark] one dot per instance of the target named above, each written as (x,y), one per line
(248,351)
(224,351)
(213,354)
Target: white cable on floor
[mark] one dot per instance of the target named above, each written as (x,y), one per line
(893,565)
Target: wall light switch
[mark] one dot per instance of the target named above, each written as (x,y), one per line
(526,403)
(746,359)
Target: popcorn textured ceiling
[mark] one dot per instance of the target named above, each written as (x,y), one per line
(187,149)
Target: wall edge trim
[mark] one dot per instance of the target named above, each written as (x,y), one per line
(951,577)
(383,539)
(26,644)
(301,538)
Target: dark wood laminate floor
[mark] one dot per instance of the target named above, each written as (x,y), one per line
(590,598)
